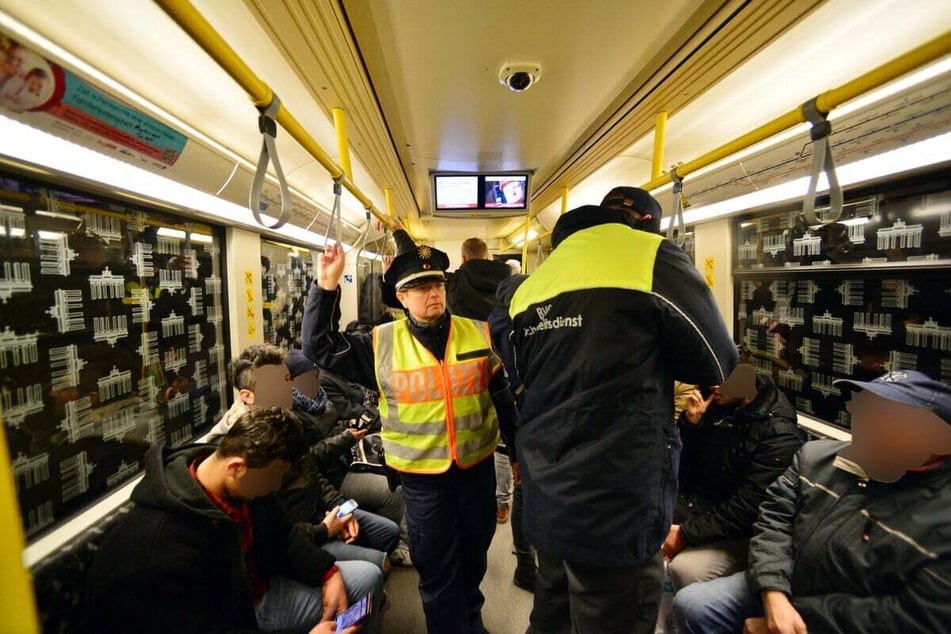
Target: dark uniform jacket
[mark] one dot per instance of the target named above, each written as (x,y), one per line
(175,564)
(601,330)
(856,555)
(470,290)
(728,460)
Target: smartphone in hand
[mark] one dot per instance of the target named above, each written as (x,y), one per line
(347,508)
(355,613)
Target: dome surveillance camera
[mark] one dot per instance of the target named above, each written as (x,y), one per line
(519,77)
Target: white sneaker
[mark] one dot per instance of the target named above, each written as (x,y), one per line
(400,556)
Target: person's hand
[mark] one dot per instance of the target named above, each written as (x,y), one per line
(695,406)
(674,542)
(387,261)
(330,267)
(357,434)
(333,594)
(351,529)
(516,475)
(330,627)
(781,616)
(755,626)
(335,525)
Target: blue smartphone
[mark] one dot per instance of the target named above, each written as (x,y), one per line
(355,613)
(347,508)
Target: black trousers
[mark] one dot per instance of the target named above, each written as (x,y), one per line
(573,598)
(451,521)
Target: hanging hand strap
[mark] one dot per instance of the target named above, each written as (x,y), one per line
(335,220)
(362,240)
(268,128)
(677,217)
(821,161)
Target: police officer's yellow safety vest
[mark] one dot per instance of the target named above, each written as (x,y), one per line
(436,413)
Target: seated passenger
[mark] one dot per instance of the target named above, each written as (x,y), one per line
(733,448)
(337,403)
(208,548)
(310,497)
(853,537)
(262,377)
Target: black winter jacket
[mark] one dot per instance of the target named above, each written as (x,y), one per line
(175,564)
(601,330)
(728,460)
(470,290)
(856,555)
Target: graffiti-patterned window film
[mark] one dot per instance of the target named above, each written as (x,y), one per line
(286,275)
(863,296)
(111,341)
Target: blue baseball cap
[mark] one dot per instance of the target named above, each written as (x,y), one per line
(911,388)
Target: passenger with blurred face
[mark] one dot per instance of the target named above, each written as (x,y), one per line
(853,537)
(262,380)
(207,546)
(601,329)
(442,402)
(736,442)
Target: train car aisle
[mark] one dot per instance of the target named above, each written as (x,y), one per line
(506,608)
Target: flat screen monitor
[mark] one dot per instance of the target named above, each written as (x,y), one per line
(462,194)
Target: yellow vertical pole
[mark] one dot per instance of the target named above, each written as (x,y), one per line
(18,606)
(388,193)
(528,225)
(660,131)
(564,199)
(340,125)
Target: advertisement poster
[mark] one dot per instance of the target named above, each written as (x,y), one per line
(40,93)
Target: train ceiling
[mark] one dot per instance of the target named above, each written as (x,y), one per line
(418,80)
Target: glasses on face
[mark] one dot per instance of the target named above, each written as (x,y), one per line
(427,287)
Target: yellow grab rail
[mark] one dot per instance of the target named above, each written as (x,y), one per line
(193,23)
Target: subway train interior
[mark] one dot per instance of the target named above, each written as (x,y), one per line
(170,169)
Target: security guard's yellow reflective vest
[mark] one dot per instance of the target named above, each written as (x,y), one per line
(435,413)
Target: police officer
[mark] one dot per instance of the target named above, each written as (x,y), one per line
(442,401)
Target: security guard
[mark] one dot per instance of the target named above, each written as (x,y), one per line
(442,401)
(601,329)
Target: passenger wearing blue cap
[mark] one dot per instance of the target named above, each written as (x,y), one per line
(853,537)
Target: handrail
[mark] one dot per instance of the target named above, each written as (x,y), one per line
(204,34)
(825,102)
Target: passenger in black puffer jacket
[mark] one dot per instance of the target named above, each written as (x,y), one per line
(733,449)
(851,538)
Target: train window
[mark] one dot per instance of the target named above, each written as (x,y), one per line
(286,275)
(865,295)
(112,341)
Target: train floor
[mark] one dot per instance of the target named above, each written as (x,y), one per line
(506,610)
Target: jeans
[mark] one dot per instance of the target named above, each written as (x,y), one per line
(503,479)
(580,599)
(351,552)
(373,493)
(289,604)
(376,531)
(451,518)
(708,561)
(719,605)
